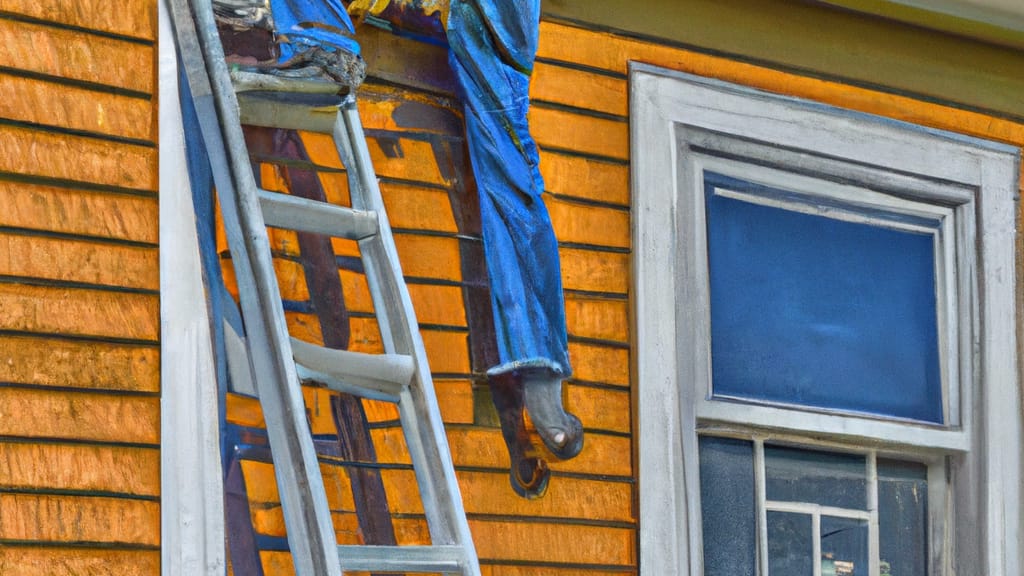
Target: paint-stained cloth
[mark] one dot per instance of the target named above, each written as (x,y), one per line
(322,23)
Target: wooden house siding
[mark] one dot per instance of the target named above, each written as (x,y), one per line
(79,282)
(587,523)
(79,289)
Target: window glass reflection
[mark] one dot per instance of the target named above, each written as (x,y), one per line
(825,478)
(790,544)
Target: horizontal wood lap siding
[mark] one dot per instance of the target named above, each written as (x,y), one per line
(79,282)
(596,63)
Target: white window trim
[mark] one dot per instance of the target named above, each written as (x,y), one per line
(191,485)
(670,115)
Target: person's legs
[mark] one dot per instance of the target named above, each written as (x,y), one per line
(519,244)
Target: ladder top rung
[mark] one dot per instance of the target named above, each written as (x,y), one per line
(377,376)
(297,213)
(245,81)
(401,558)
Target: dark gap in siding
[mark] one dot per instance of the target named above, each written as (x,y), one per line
(64,545)
(76,184)
(77,237)
(578,200)
(548,105)
(583,68)
(83,338)
(512,518)
(599,342)
(76,441)
(48,283)
(60,80)
(73,389)
(584,155)
(6,15)
(441,98)
(76,132)
(595,247)
(599,385)
(598,295)
(80,493)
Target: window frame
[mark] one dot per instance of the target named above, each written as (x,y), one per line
(675,118)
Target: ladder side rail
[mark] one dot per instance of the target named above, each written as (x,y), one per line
(310,531)
(420,414)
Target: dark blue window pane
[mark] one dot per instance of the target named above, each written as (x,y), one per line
(824,478)
(844,547)
(903,517)
(790,544)
(727,506)
(820,312)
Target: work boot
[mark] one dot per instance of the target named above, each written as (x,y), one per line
(561,431)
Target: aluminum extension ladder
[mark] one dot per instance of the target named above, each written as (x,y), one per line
(401,375)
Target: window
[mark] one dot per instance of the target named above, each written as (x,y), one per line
(826,352)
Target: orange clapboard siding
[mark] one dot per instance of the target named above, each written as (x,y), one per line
(484,448)
(455,398)
(79,311)
(379,411)
(401,158)
(76,56)
(585,178)
(438,304)
(571,87)
(261,486)
(609,52)
(552,542)
(109,469)
(418,208)
(587,134)
(600,408)
(594,363)
(405,159)
(135,18)
(599,318)
(448,351)
(429,256)
(489,493)
(28,413)
(79,212)
(244,411)
(583,224)
(78,158)
(357,291)
(50,561)
(407,532)
(321,150)
(86,262)
(594,271)
(74,519)
(53,104)
(73,364)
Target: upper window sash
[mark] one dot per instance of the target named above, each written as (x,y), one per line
(812,192)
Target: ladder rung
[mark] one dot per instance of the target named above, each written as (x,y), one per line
(243,81)
(261,109)
(377,376)
(401,558)
(296,213)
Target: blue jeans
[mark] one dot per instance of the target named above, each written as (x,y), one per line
(493,43)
